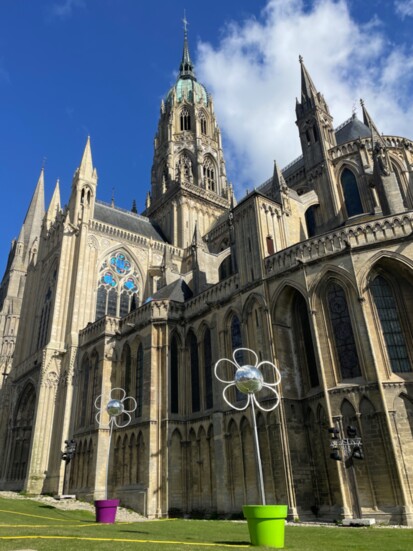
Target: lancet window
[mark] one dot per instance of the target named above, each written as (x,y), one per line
(343,332)
(118,286)
(203,124)
(394,338)
(209,174)
(185,119)
(351,193)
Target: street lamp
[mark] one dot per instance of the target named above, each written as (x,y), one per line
(351,447)
(67,456)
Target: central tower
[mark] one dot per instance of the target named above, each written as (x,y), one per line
(189,188)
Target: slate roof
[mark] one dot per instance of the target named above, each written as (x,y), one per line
(352,130)
(126,220)
(177,291)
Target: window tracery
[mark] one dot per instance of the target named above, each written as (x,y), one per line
(185,119)
(394,338)
(343,332)
(209,174)
(118,290)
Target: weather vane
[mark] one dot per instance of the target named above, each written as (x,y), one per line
(185,22)
(249,380)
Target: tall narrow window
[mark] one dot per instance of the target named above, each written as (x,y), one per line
(351,193)
(174,376)
(203,124)
(185,119)
(236,342)
(83,391)
(139,381)
(304,340)
(209,174)
(390,322)
(208,369)
(127,366)
(44,320)
(343,332)
(194,369)
(310,220)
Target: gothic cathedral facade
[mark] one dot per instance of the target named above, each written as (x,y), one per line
(312,270)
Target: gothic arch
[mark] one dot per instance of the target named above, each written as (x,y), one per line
(119,282)
(296,352)
(390,256)
(21,431)
(210,174)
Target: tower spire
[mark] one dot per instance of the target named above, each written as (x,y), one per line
(368,121)
(308,89)
(186,68)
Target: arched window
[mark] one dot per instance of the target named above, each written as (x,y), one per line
(184,169)
(351,193)
(209,174)
(236,342)
(203,124)
(83,391)
(44,320)
(139,381)
(343,332)
(305,340)
(310,220)
(174,375)
(127,369)
(208,369)
(394,338)
(194,369)
(95,388)
(118,292)
(185,119)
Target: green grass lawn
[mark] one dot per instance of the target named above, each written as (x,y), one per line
(26,524)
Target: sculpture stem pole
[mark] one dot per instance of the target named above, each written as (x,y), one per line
(108,459)
(257,451)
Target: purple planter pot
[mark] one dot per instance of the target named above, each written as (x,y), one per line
(106,510)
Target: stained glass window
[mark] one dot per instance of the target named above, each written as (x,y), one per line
(139,381)
(236,342)
(351,193)
(174,376)
(343,332)
(390,322)
(118,289)
(120,264)
(305,340)
(193,356)
(208,370)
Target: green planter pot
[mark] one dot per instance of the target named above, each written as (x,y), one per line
(266,524)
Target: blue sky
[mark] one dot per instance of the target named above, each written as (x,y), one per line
(73,68)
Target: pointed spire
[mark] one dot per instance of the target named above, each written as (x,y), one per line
(54,206)
(86,165)
(308,90)
(368,121)
(134,208)
(186,68)
(35,213)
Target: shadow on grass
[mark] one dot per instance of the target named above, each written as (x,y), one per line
(234,543)
(134,532)
(48,507)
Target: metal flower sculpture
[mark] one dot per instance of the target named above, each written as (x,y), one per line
(115,407)
(249,380)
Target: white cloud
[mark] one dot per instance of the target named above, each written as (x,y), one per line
(254,77)
(404,8)
(66,8)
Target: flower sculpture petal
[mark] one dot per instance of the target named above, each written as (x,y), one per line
(249,380)
(115,407)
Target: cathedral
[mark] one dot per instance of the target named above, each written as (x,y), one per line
(313,270)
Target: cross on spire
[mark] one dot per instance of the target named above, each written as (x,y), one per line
(185,22)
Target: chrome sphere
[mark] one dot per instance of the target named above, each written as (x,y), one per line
(248,379)
(114,408)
